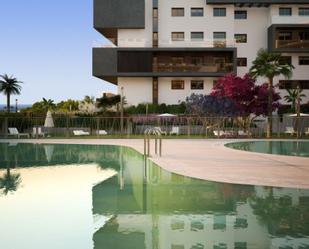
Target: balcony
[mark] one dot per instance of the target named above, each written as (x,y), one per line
(292,38)
(110,63)
(201,62)
(255,3)
(292,44)
(110,15)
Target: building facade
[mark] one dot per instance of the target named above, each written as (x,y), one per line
(165,50)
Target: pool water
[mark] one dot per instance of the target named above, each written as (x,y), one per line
(109,197)
(283,147)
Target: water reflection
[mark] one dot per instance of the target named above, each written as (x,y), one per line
(146,207)
(291,148)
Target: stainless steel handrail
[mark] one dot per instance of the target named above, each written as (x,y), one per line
(147,138)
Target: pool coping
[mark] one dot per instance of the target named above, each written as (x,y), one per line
(207,159)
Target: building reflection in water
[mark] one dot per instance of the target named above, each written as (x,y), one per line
(149,208)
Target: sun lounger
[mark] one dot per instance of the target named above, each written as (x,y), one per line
(160,130)
(14,132)
(290,130)
(219,133)
(81,133)
(101,132)
(242,133)
(175,130)
(37,131)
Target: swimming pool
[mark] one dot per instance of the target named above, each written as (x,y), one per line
(92,196)
(284,147)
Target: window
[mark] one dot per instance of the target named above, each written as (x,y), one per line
(197,84)
(292,84)
(155,13)
(285,36)
(303,11)
(241,38)
(241,62)
(219,11)
(178,36)
(197,60)
(285,11)
(197,12)
(197,36)
(155,42)
(219,39)
(178,12)
(240,14)
(303,60)
(285,60)
(219,35)
(304,36)
(178,60)
(178,84)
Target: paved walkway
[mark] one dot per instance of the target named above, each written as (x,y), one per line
(211,160)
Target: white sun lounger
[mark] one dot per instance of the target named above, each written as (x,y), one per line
(290,130)
(37,131)
(14,132)
(101,132)
(175,130)
(81,133)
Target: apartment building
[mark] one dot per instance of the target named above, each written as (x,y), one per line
(164,50)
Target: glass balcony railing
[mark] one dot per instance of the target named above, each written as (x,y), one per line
(198,68)
(292,43)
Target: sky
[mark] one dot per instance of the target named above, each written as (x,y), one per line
(47,44)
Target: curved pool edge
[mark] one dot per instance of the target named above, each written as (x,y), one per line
(211,160)
(263,153)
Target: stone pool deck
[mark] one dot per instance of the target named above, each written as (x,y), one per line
(209,159)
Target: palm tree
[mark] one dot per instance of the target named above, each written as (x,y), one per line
(48,104)
(270,65)
(88,100)
(9,182)
(9,85)
(292,97)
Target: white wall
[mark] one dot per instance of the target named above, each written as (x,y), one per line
(256,29)
(136,90)
(207,24)
(295,18)
(169,96)
(138,37)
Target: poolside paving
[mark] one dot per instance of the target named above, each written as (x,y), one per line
(209,159)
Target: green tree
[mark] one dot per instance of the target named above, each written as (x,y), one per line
(69,105)
(9,182)
(269,65)
(9,85)
(108,101)
(88,100)
(292,97)
(48,104)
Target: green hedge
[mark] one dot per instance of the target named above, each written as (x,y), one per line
(156,109)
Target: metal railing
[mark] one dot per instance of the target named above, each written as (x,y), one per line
(185,126)
(156,131)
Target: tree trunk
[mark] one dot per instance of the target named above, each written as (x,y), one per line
(8,172)
(8,103)
(270,108)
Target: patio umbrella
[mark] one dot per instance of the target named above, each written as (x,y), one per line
(49,122)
